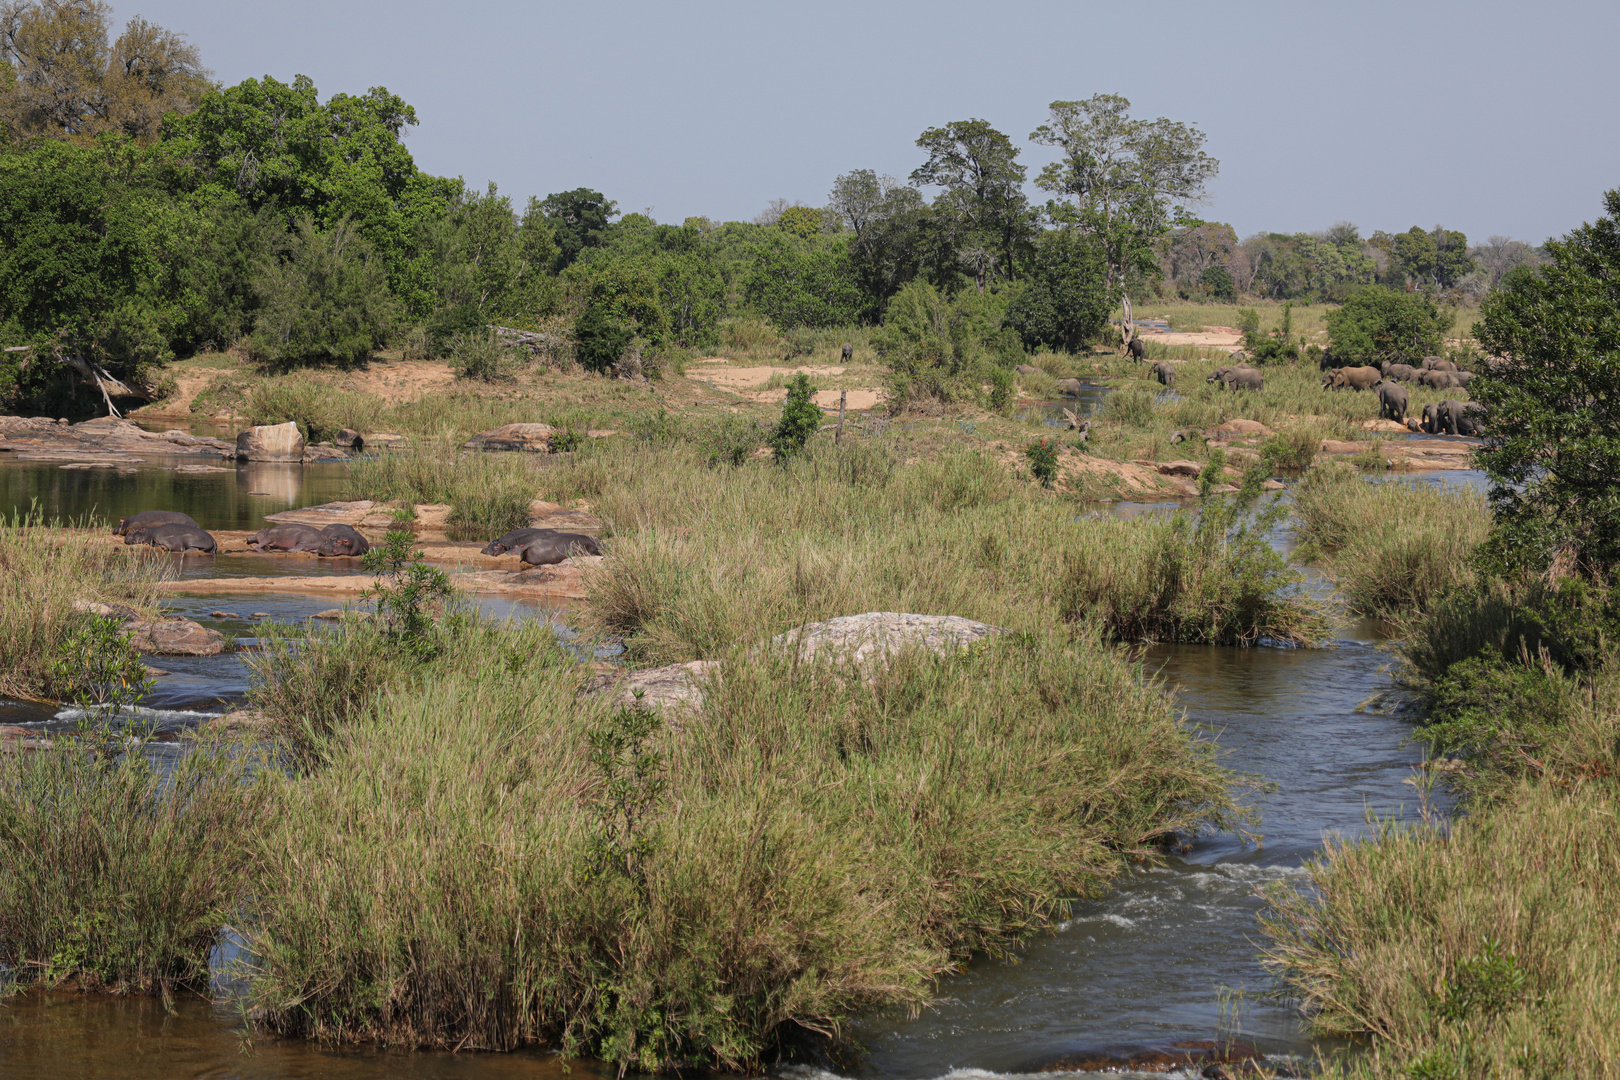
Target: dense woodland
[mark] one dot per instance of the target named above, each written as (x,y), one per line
(149,213)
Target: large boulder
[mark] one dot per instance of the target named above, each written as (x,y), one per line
(175,637)
(535,438)
(270,442)
(878,634)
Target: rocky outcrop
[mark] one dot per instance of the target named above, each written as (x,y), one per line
(270,442)
(175,637)
(107,438)
(1240,429)
(533,438)
(879,634)
(1180,468)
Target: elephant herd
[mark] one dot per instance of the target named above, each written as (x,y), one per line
(171,530)
(1449,417)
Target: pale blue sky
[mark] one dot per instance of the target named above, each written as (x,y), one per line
(1490,117)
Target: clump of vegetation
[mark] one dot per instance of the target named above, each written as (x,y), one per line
(1394,549)
(1376,324)
(327,301)
(1277,346)
(1210,577)
(540,852)
(118,875)
(50,647)
(480,355)
(1043,462)
(487,493)
(800,419)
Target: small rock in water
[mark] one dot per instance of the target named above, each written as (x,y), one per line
(260,615)
(329,613)
(223,615)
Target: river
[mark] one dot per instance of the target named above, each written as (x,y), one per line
(1169,955)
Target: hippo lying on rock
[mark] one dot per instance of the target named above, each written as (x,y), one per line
(172,536)
(343,540)
(152,517)
(288,538)
(553,549)
(514,540)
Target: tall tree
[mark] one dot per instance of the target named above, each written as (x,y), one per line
(61,79)
(579,219)
(1129,181)
(984,183)
(1552,447)
(1439,258)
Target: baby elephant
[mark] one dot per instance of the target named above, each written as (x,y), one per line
(1238,378)
(1356,378)
(152,517)
(847,352)
(515,540)
(172,536)
(342,540)
(1165,373)
(288,538)
(1137,348)
(549,550)
(1437,363)
(1399,372)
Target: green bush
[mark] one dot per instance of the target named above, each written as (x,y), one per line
(800,419)
(794,284)
(326,302)
(1376,324)
(1064,302)
(1043,462)
(480,355)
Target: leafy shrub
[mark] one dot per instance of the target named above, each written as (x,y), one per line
(1043,462)
(1065,301)
(600,338)
(794,285)
(327,302)
(480,355)
(1218,280)
(800,419)
(730,439)
(1377,324)
(1130,405)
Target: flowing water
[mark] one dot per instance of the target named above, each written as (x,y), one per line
(1169,955)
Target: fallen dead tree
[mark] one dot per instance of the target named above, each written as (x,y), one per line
(93,374)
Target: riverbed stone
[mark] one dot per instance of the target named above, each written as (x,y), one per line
(1339,446)
(106,611)
(174,637)
(271,442)
(1240,429)
(1180,468)
(879,634)
(533,438)
(350,439)
(332,513)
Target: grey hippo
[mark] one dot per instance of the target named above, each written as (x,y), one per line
(172,536)
(152,517)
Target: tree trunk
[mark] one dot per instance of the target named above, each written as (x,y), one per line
(1127,327)
(93,374)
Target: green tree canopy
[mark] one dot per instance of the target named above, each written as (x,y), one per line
(1439,257)
(795,284)
(1553,399)
(1377,324)
(984,192)
(327,301)
(1123,180)
(61,79)
(579,220)
(1064,301)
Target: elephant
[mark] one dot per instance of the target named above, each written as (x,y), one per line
(847,352)
(1439,380)
(1137,348)
(549,550)
(1399,372)
(1461,379)
(1431,419)
(292,537)
(172,536)
(1356,378)
(343,540)
(152,517)
(1027,369)
(1392,400)
(1070,387)
(1165,373)
(1457,418)
(515,540)
(1239,378)
(1437,363)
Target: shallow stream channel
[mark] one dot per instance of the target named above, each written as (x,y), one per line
(1169,956)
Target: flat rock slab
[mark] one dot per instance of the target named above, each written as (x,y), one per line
(270,442)
(1240,429)
(175,637)
(533,438)
(672,687)
(1180,468)
(332,513)
(102,439)
(879,634)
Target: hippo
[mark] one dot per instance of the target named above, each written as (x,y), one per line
(172,536)
(548,550)
(343,540)
(514,540)
(288,538)
(152,517)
